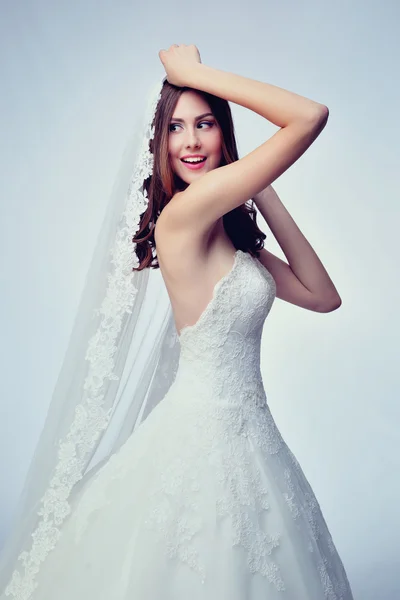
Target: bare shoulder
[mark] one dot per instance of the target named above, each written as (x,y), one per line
(191,263)
(168,222)
(184,266)
(177,247)
(170,238)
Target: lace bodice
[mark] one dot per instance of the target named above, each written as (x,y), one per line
(226,339)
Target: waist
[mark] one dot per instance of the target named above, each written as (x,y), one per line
(220,395)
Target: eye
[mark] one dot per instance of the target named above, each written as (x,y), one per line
(211,123)
(207,123)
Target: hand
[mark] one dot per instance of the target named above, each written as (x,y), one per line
(178,62)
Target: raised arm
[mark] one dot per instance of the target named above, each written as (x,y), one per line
(221,190)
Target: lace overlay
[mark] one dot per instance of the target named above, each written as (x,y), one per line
(90,417)
(211,451)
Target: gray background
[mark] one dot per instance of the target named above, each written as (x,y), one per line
(74,77)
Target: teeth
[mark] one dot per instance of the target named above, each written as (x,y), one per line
(195,160)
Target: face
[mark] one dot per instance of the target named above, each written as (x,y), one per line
(193,130)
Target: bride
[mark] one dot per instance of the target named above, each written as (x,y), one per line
(204,498)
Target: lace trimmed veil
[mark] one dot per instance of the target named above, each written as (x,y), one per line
(121,359)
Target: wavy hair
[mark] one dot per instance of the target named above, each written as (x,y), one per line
(240,223)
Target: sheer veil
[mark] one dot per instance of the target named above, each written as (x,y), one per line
(121,359)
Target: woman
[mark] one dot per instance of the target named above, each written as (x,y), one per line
(205,499)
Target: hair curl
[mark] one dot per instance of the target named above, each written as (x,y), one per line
(240,223)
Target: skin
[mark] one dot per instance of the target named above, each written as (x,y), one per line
(193,136)
(303,281)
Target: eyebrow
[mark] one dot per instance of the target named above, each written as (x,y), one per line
(208,114)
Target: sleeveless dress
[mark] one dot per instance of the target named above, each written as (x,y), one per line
(204,501)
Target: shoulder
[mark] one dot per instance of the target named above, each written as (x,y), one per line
(166,223)
(170,229)
(168,215)
(174,243)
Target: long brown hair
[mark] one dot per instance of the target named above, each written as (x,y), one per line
(239,224)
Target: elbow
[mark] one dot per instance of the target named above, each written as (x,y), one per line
(319,116)
(329,305)
(322,112)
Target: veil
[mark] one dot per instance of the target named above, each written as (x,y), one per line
(121,359)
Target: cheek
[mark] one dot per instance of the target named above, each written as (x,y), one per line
(216,146)
(172,148)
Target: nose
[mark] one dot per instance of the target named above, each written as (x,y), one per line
(192,138)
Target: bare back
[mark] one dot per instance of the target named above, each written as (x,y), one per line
(191,265)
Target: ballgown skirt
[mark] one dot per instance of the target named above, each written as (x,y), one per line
(205,500)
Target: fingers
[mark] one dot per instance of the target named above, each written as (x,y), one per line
(162,53)
(177,46)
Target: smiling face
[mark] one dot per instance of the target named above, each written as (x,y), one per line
(193,130)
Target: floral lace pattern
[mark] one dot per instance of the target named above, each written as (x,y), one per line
(217,430)
(90,417)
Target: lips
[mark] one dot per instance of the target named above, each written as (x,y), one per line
(194,166)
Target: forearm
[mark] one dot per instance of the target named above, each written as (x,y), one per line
(301,257)
(275,104)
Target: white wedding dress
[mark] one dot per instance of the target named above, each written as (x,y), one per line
(204,501)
